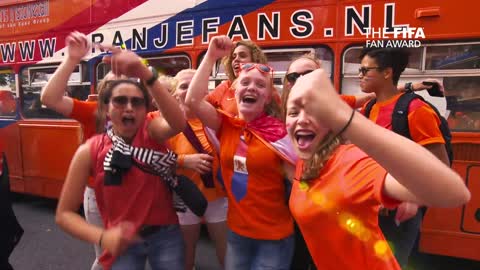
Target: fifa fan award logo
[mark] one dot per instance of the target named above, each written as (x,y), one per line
(400,37)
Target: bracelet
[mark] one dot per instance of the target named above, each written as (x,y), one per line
(101,238)
(180,160)
(347,124)
(154,77)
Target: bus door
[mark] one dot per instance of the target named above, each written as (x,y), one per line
(9,131)
(47,140)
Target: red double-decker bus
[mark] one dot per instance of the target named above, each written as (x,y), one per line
(173,35)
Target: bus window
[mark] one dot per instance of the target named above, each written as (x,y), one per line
(8,107)
(459,65)
(351,64)
(463,103)
(279,60)
(453,57)
(35,78)
(169,65)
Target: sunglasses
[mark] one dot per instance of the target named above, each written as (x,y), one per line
(364,70)
(122,101)
(293,77)
(261,67)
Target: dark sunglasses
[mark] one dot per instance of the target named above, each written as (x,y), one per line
(263,68)
(293,77)
(122,101)
(364,70)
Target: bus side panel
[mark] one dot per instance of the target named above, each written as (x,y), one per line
(10,136)
(454,231)
(471,214)
(47,151)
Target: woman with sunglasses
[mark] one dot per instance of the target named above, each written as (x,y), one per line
(135,203)
(338,189)
(243,51)
(255,158)
(198,160)
(53,96)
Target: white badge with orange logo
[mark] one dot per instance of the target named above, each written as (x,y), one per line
(240,164)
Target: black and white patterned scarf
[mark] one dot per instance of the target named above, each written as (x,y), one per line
(122,156)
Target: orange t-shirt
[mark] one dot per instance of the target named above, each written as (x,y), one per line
(338,213)
(350,100)
(223,97)
(254,181)
(181,146)
(423,122)
(84,112)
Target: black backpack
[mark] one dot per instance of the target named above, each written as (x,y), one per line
(400,119)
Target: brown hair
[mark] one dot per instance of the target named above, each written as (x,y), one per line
(285,89)
(104,98)
(100,116)
(257,57)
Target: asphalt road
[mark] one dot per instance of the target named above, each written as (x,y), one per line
(44,246)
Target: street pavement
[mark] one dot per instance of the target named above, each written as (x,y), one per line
(44,246)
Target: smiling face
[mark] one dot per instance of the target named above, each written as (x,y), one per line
(304,130)
(240,55)
(127,110)
(252,93)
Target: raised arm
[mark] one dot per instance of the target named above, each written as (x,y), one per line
(53,93)
(415,174)
(219,47)
(172,120)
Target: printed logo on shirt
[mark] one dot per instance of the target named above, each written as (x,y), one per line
(240,164)
(240,171)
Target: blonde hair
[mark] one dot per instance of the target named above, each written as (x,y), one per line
(257,57)
(286,90)
(167,81)
(175,79)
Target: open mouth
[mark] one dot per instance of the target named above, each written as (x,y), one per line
(128,120)
(249,99)
(304,139)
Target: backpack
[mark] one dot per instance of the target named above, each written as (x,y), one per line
(400,119)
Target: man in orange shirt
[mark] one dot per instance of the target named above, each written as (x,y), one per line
(379,73)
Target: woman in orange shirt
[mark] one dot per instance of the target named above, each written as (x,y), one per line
(339,188)
(198,165)
(244,51)
(255,159)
